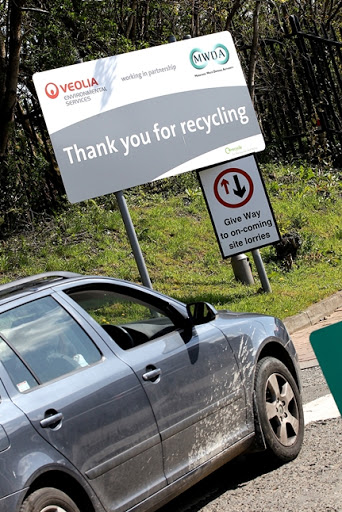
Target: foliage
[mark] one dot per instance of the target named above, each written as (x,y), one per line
(36,36)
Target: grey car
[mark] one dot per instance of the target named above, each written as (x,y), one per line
(115,397)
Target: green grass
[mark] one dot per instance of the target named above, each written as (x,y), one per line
(180,248)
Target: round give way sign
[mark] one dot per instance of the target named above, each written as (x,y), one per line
(233,188)
(239,206)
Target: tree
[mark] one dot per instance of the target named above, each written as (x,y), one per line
(9,70)
(36,35)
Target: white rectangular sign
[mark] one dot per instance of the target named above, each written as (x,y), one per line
(130,119)
(239,206)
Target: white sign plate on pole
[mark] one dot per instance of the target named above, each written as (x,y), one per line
(239,206)
(130,119)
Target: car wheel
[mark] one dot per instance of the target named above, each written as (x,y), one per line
(279,408)
(48,500)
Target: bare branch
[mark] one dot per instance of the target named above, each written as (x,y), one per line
(254,50)
(234,9)
(34,9)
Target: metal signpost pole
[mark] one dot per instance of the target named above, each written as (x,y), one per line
(261,271)
(133,239)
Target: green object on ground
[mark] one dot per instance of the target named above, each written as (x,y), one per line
(327,345)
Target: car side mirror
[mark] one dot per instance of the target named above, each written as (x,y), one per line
(201,312)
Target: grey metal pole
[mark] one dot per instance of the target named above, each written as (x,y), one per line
(145,278)
(261,271)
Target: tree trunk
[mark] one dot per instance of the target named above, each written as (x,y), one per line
(195,19)
(8,103)
(254,50)
(235,7)
(130,32)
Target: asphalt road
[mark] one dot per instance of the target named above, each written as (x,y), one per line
(313,384)
(312,482)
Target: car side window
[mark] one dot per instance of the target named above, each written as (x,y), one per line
(20,375)
(128,321)
(40,342)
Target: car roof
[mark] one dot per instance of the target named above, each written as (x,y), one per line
(27,286)
(33,283)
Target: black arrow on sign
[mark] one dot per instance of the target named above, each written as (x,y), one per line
(239,191)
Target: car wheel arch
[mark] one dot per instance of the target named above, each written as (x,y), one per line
(65,482)
(272,348)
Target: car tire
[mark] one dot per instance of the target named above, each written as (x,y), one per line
(280,410)
(48,499)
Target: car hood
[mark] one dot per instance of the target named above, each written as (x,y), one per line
(267,325)
(226,313)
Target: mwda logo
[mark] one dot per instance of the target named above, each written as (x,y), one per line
(200,59)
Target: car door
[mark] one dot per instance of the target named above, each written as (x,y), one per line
(193,385)
(83,400)
(196,395)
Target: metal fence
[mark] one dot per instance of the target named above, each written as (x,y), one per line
(299,90)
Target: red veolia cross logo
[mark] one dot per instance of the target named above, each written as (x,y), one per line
(51,90)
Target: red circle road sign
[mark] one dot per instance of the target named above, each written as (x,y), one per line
(233,187)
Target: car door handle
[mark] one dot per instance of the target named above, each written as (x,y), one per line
(152,374)
(52,421)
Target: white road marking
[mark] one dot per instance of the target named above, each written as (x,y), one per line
(322,408)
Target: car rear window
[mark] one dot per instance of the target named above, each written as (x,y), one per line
(40,341)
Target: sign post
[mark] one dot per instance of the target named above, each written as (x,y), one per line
(132,236)
(130,119)
(240,210)
(239,207)
(261,271)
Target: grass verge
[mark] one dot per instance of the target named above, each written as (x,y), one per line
(179,244)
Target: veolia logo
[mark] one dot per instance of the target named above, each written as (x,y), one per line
(200,59)
(52,90)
